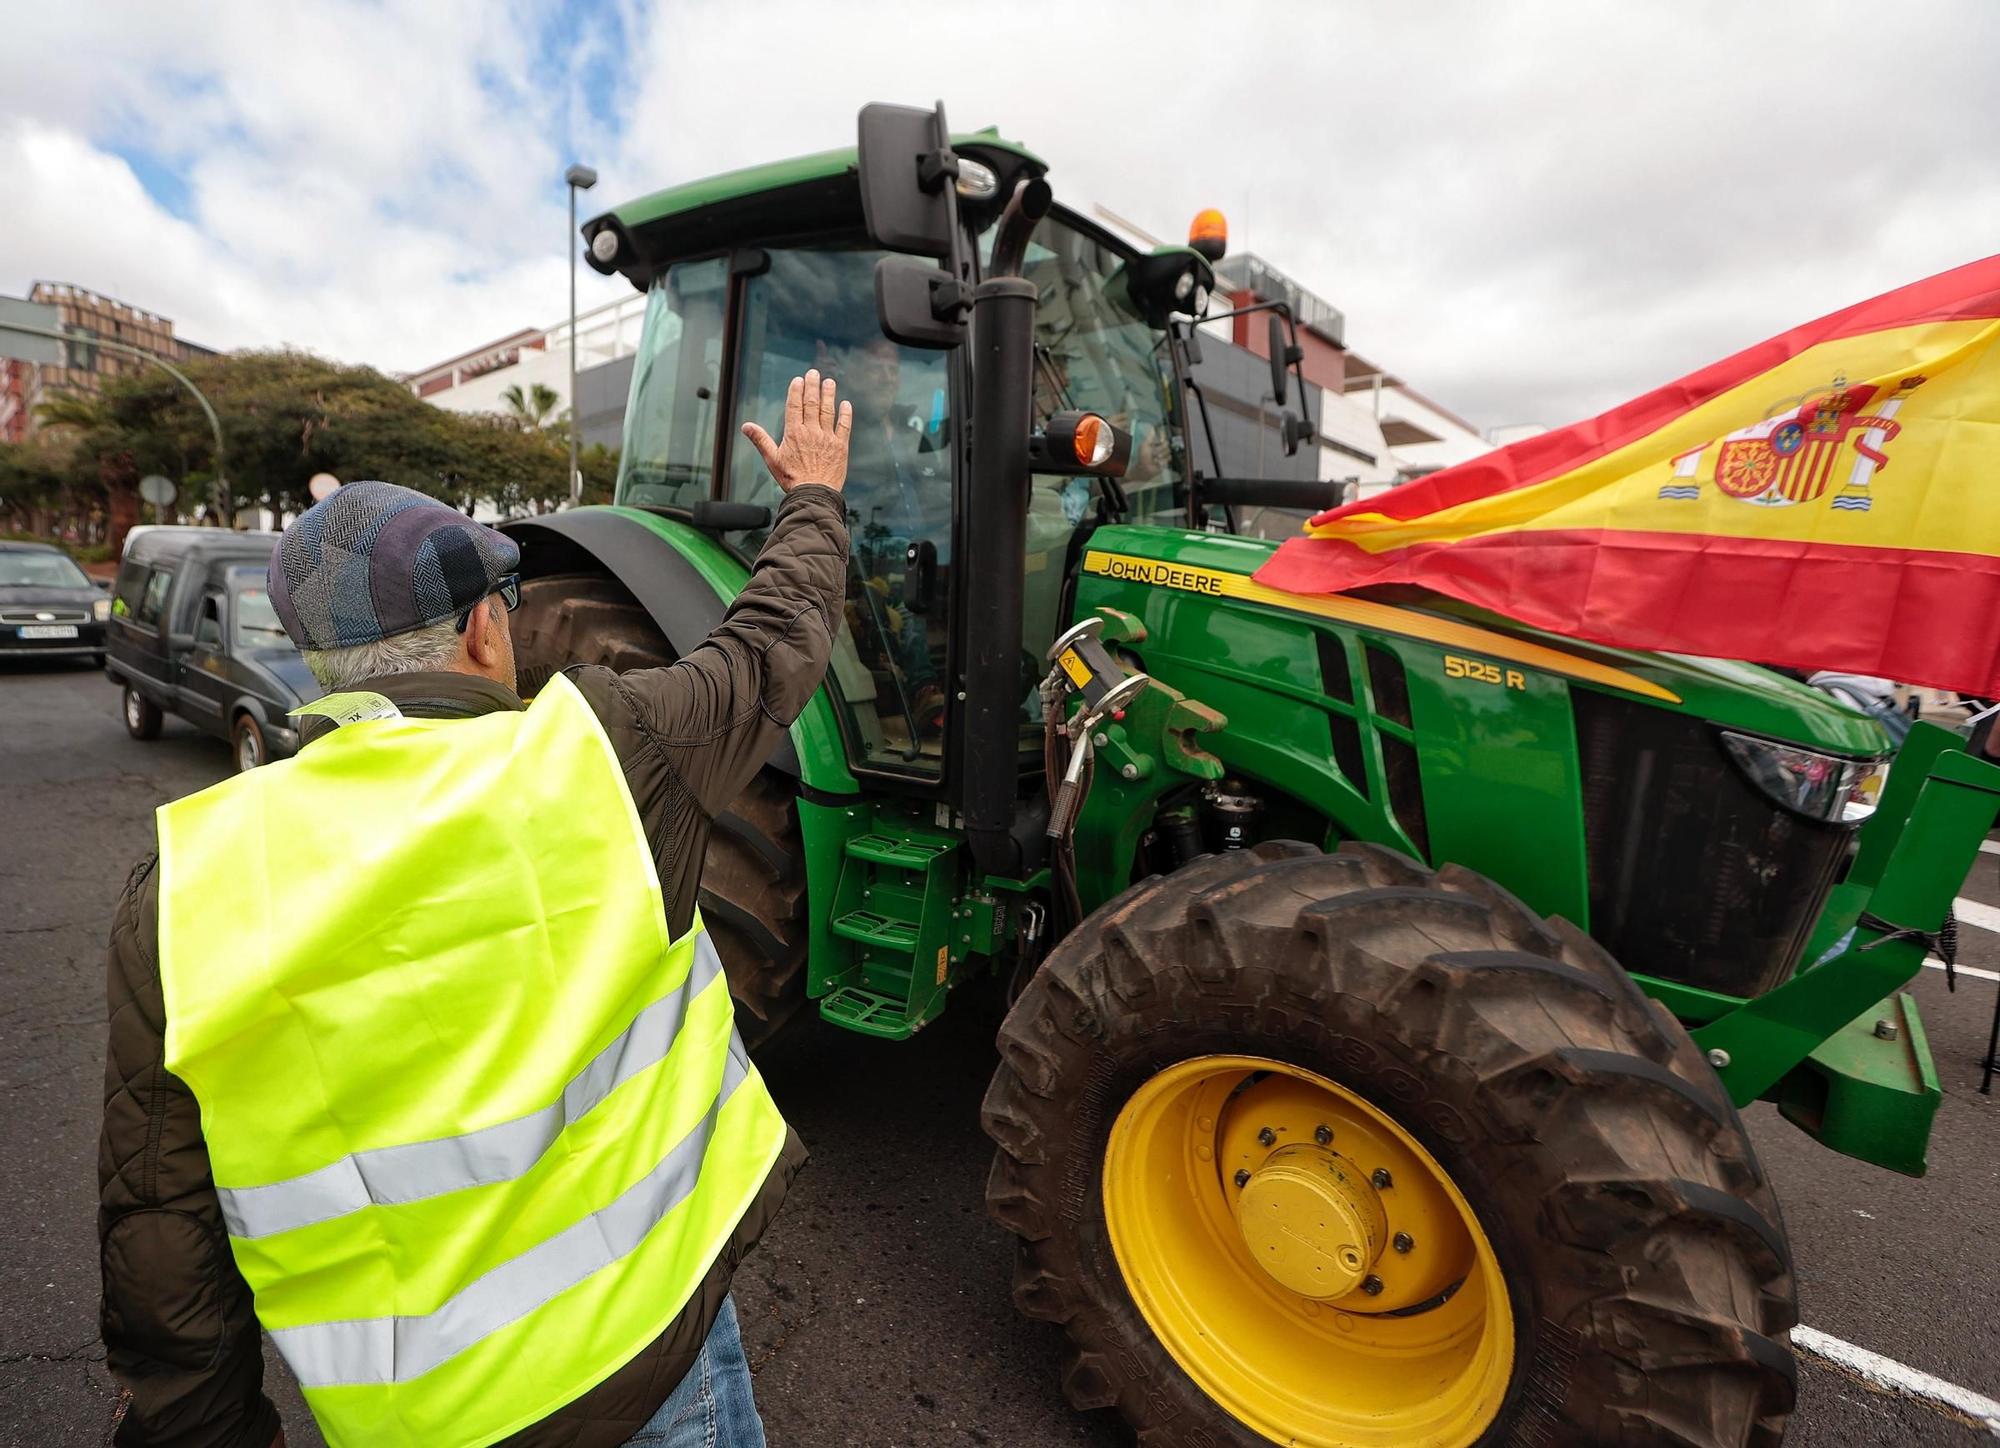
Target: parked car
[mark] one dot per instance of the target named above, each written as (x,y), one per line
(193,633)
(49,608)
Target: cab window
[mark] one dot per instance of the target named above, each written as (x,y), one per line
(669,439)
(815,307)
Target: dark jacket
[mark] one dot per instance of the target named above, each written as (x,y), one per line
(178,1324)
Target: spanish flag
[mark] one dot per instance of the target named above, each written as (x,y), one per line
(1829,499)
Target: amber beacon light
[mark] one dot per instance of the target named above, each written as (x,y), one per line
(1208,234)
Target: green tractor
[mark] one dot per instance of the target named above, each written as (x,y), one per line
(1385,976)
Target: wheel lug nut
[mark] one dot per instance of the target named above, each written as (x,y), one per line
(1372,1285)
(1381,1178)
(1322,1134)
(1402,1242)
(1265,1136)
(1242,1177)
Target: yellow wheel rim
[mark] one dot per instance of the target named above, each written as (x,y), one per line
(1305,1260)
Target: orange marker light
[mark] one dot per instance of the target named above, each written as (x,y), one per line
(1209,234)
(1092,443)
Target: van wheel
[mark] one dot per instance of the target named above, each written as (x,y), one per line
(246,738)
(142,715)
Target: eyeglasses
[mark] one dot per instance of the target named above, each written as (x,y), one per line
(509,589)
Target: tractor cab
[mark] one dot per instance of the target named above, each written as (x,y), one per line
(753,278)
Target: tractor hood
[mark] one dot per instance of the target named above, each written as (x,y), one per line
(1726,691)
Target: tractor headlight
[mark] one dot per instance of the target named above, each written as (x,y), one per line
(1818,786)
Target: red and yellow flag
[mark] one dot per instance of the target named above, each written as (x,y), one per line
(1829,499)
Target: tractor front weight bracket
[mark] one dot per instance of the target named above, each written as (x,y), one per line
(1921,860)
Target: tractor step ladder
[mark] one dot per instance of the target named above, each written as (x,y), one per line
(893,907)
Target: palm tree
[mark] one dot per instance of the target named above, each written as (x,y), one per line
(534,410)
(61,409)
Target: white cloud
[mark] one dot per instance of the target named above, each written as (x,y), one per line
(379,184)
(1532,211)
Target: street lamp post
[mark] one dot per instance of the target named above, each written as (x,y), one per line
(580,178)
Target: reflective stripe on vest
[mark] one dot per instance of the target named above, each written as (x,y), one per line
(480,1126)
(492,1154)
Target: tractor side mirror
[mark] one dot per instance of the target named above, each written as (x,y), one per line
(1293,430)
(907,174)
(920,305)
(909,188)
(1274,351)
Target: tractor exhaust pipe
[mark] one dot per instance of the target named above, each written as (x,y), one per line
(996,534)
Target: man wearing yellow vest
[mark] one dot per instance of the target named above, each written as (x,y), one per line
(420,1058)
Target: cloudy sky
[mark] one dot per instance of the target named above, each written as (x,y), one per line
(1531,211)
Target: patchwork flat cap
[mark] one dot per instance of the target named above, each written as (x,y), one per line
(374,560)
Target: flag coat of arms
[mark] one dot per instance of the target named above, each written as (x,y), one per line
(1829,499)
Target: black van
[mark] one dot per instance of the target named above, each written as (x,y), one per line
(193,633)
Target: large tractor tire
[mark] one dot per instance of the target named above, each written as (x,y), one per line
(1335,1150)
(753,881)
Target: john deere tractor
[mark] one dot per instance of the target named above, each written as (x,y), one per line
(1386,976)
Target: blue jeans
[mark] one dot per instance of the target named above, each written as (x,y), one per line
(712,1407)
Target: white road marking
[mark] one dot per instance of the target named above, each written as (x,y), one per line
(1971,912)
(1972,970)
(1895,1377)
(1989,847)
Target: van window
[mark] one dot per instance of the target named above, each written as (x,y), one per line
(208,631)
(131,584)
(154,598)
(257,625)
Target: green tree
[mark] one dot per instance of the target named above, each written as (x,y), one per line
(534,411)
(32,491)
(102,463)
(287,415)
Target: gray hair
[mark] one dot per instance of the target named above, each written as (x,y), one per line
(435,646)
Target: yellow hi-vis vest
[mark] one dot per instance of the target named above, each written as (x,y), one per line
(480,1126)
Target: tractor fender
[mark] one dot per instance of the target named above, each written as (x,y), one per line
(685,582)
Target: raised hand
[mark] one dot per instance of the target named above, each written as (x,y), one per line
(813,448)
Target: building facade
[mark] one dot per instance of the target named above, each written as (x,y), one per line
(89,318)
(606,338)
(1375,429)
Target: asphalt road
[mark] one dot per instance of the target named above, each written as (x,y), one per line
(876,1311)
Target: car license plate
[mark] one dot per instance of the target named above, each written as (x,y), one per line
(48,630)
